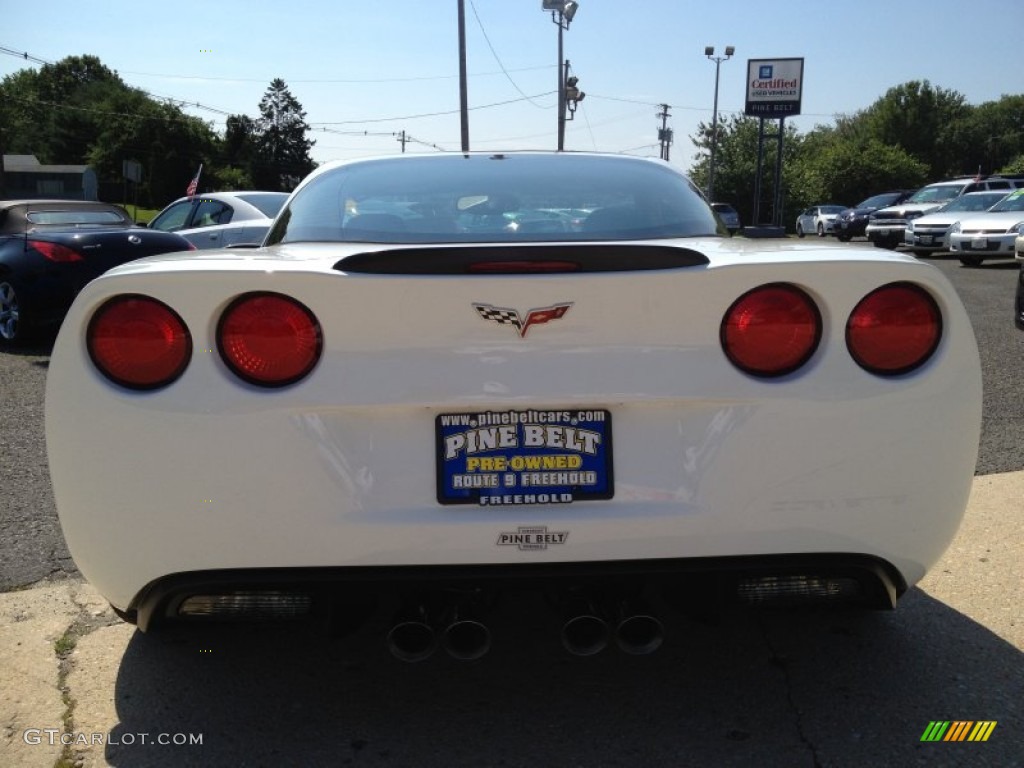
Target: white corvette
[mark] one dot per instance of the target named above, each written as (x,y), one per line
(444,376)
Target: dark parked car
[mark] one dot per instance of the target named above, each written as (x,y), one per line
(221,219)
(729,215)
(853,221)
(49,250)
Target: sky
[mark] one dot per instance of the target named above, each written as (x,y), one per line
(365,72)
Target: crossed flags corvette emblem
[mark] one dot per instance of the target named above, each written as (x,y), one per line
(506,316)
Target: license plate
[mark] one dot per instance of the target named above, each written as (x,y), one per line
(515,458)
(979,244)
(926,239)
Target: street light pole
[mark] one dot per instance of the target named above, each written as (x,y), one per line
(562,13)
(709,51)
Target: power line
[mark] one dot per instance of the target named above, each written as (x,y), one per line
(430,114)
(497,59)
(93,110)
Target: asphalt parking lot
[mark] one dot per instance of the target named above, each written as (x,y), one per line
(752,688)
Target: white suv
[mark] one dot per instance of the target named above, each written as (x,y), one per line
(887,227)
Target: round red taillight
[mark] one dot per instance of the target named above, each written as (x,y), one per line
(771,330)
(138,342)
(269,339)
(894,329)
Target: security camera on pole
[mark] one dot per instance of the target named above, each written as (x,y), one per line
(562,13)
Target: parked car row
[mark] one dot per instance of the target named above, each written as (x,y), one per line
(887,227)
(944,216)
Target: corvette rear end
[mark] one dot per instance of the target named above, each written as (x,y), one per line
(313,426)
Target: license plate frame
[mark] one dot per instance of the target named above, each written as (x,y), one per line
(524,457)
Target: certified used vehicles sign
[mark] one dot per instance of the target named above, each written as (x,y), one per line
(497,458)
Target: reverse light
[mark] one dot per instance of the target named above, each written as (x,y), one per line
(55,252)
(771,331)
(247,605)
(269,339)
(894,329)
(138,342)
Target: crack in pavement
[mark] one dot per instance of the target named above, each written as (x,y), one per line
(776,659)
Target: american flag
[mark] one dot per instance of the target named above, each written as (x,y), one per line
(194,184)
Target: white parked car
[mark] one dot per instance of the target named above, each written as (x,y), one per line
(424,407)
(220,219)
(818,219)
(927,233)
(991,234)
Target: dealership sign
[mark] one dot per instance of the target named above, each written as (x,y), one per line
(774,87)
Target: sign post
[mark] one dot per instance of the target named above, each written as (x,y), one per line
(131,170)
(774,92)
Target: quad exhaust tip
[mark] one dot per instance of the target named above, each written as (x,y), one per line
(419,630)
(589,626)
(587,630)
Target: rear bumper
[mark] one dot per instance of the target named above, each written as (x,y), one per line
(339,472)
(994,245)
(318,594)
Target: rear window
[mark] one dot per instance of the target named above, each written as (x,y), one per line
(268,204)
(497,198)
(77,218)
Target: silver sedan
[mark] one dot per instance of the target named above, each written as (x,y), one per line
(220,219)
(818,219)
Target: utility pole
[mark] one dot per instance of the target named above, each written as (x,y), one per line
(463,92)
(402,139)
(562,13)
(664,133)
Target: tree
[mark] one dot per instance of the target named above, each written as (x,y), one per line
(282,158)
(990,136)
(78,111)
(920,118)
(847,171)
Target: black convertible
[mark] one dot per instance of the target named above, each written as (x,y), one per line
(49,250)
